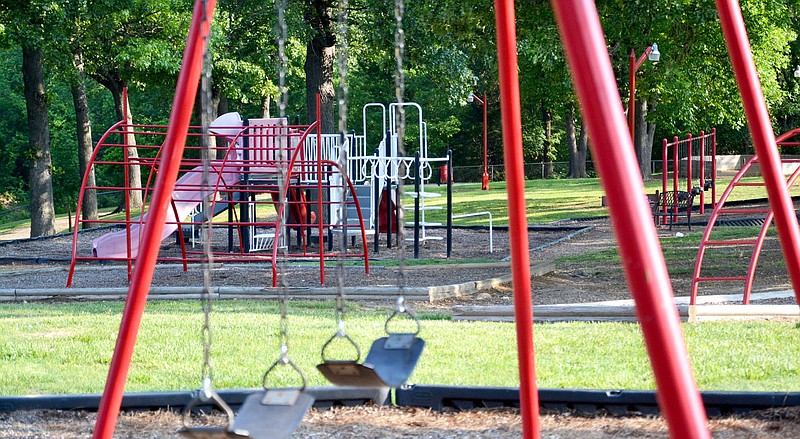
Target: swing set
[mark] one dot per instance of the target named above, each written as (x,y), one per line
(392,358)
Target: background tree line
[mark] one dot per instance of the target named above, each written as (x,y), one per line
(64,64)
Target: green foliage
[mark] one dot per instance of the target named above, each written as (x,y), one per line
(450,51)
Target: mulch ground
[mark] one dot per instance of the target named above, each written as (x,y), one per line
(398,422)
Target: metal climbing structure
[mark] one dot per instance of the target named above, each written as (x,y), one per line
(725,212)
(243,192)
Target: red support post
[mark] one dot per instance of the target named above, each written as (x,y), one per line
(664,164)
(640,253)
(713,168)
(676,149)
(517,213)
(758,121)
(173,146)
(485,176)
(702,172)
(689,157)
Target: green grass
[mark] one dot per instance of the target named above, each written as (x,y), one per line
(66,348)
(546,200)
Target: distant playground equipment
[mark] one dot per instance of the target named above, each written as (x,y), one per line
(245,187)
(764,216)
(678,161)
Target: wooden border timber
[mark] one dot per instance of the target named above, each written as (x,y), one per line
(626,313)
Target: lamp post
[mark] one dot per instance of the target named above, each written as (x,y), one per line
(797,72)
(485,178)
(653,55)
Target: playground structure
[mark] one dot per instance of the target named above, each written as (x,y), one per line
(643,263)
(704,149)
(244,191)
(764,216)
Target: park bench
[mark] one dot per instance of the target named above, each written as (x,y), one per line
(673,204)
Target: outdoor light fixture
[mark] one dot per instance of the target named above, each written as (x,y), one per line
(797,72)
(655,55)
(471,97)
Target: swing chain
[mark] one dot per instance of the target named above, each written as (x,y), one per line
(205,153)
(283,359)
(283,61)
(399,90)
(342,53)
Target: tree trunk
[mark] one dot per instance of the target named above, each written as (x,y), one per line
(319,79)
(83,128)
(40,179)
(577,158)
(134,171)
(651,131)
(547,119)
(583,148)
(643,141)
(265,103)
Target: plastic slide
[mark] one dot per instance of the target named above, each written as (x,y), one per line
(187,196)
(114,245)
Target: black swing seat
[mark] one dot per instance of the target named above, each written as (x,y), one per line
(350,373)
(209,431)
(395,357)
(390,362)
(272,413)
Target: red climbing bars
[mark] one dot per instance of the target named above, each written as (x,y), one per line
(174,142)
(730,16)
(517,216)
(640,252)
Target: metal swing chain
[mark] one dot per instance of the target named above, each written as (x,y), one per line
(399,91)
(205,229)
(342,48)
(282,96)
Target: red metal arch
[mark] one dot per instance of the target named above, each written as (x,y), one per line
(721,210)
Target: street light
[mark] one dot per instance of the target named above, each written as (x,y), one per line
(797,72)
(485,178)
(652,54)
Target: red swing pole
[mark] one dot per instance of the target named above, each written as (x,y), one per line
(173,146)
(517,215)
(730,17)
(640,252)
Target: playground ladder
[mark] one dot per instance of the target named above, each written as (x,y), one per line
(755,243)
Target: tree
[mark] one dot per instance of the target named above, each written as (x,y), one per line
(693,87)
(134,41)
(26,23)
(577,147)
(74,27)
(320,52)
(40,179)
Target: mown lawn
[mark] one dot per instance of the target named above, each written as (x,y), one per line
(66,348)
